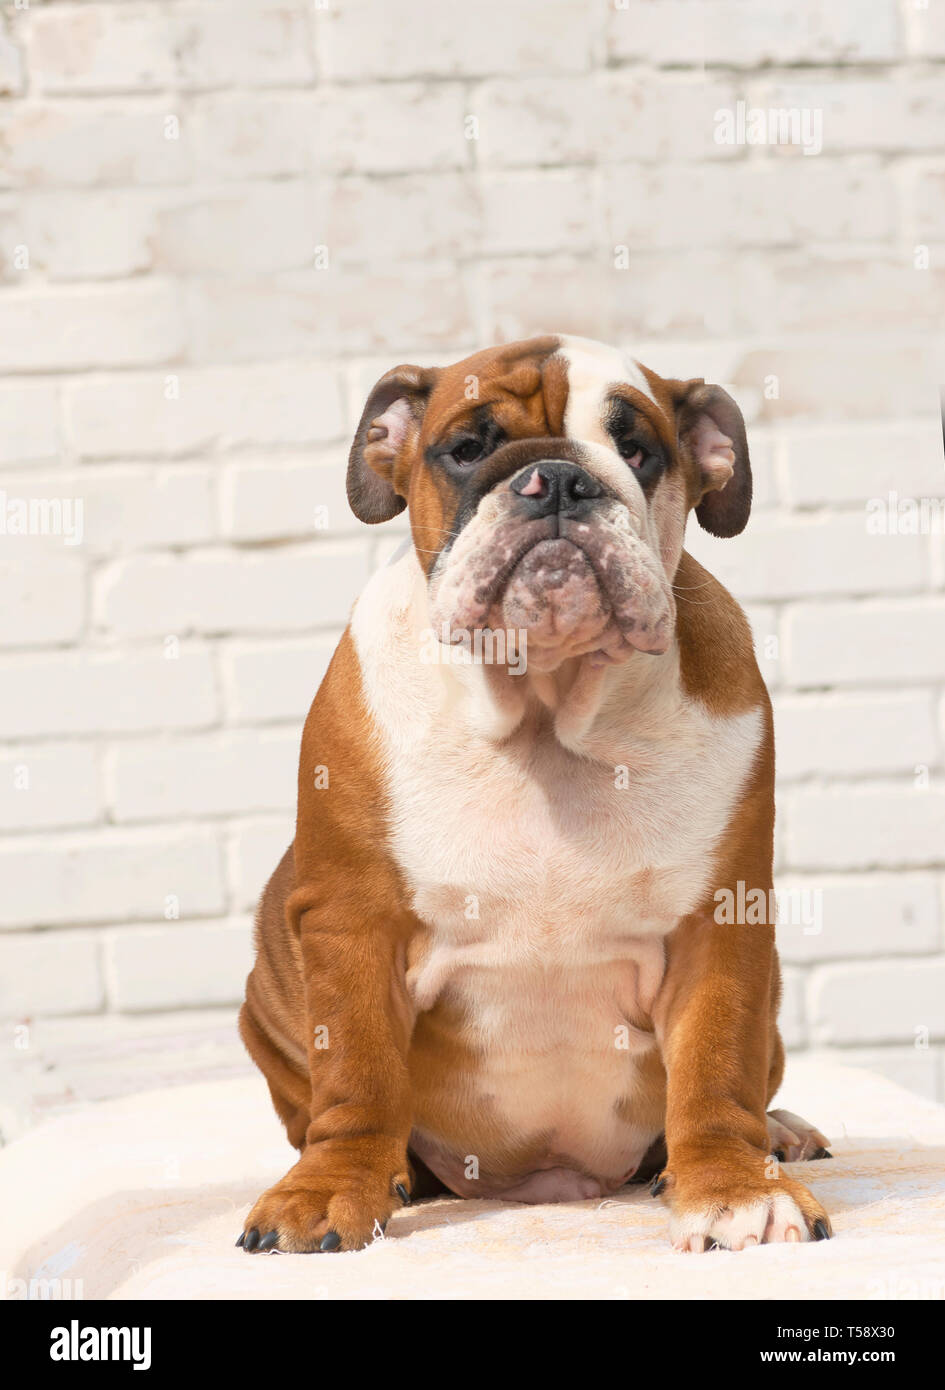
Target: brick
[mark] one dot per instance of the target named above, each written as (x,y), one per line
(269,499)
(795,292)
(534,121)
(915,1069)
(879,643)
(269,681)
(29,423)
(765,451)
(80,235)
(748,204)
(852,735)
(858,915)
(89,326)
(926,31)
(866,113)
(140,416)
(109,692)
(233,592)
(93,143)
(92,48)
(263,43)
(249,135)
(397,127)
(93,1057)
(775,293)
(11,65)
(95,48)
(265,227)
(358,41)
(676,110)
(830,376)
(255,849)
(848,464)
(878,1002)
(207,775)
(110,876)
(532,213)
(406,217)
(757,293)
(178,966)
(520,297)
(131,507)
(739,33)
(865,827)
(792,1020)
(765,629)
(928,204)
(543,121)
(43,589)
(51,972)
(48,786)
(801,557)
(418,306)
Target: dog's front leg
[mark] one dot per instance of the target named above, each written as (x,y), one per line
(353,1170)
(714,1021)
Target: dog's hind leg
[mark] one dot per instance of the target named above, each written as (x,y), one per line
(791,1139)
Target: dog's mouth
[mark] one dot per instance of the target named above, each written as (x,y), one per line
(572,587)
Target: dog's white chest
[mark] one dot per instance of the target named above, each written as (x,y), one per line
(523,856)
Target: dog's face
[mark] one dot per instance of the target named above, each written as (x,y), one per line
(548,484)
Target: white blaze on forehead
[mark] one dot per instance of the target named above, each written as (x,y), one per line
(592,368)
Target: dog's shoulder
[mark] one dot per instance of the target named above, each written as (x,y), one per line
(716,646)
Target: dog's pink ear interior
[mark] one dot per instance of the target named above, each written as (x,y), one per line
(388,431)
(712,428)
(714,452)
(390,420)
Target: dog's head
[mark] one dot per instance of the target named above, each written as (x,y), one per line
(548,483)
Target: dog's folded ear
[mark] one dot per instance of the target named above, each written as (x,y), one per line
(711,430)
(379,461)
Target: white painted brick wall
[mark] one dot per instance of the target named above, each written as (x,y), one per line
(172,354)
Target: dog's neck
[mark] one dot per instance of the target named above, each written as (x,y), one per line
(582,705)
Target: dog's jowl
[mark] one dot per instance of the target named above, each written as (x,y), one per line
(492,962)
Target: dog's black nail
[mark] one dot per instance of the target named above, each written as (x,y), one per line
(252,1240)
(820,1231)
(241,1237)
(331,1241)
(822,1153)
(270,1239)
(402,1193)
(778,1154)
(658,1185)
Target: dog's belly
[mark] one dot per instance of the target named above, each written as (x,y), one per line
(544,911)
(536,1082)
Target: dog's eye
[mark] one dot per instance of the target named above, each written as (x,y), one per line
(633,451)
(467,450)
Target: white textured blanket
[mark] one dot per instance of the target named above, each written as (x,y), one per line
(143,1198)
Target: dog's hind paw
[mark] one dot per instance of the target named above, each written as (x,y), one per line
(793,1140)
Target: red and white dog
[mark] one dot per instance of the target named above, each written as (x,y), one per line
(491,962)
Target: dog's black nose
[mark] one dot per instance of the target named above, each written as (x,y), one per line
(556,485)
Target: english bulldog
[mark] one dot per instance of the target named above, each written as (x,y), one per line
(492,963)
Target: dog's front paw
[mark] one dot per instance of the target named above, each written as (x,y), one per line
(338,1196)
(734,1199)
